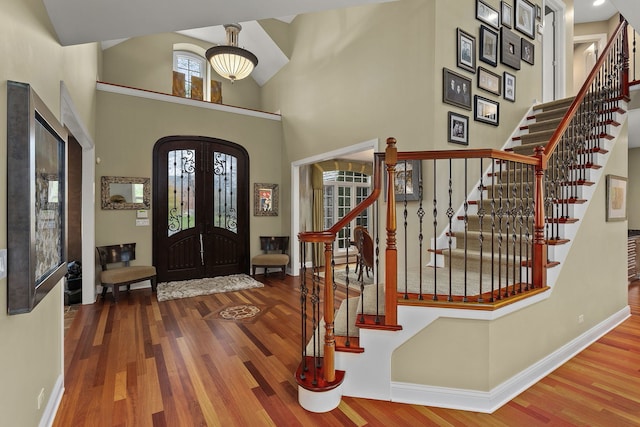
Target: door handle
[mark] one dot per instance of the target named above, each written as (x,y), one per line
(201,250)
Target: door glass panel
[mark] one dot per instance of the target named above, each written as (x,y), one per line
(225,199)
(181,194)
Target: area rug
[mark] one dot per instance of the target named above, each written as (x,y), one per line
(207,286)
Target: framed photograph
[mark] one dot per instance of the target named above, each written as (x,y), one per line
(510,47)
(36,183)
(456,89)
(507,14)
(527,51)
(489,81)
(487,14)
(616,198)
(265,199)
(525,18)
(509,81)
(408,173)
(458,129)
(487,111)
(538,13)
(488,46)
(466,57)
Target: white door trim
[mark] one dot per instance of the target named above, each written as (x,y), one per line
(560,28)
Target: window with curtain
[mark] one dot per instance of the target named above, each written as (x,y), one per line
(343,190)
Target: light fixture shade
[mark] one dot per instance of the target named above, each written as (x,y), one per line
(231,61)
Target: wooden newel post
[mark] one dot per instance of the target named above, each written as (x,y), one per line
(391,252)
(625,60)
(328,362)
(539,265)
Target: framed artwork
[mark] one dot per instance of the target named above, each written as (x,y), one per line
(616,198)
(527,51)
(488,46)
(509,90)
(466,52)
(487,111)
(538,12)
(456,89)
(510,47)
(408,175)
(36,183)
(525,18)
(487,14)
(458,129)
(489,81)
(507,14)
(265,199)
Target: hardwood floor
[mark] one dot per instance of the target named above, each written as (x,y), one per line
(179,363)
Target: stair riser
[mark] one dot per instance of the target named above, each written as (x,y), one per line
(473,243)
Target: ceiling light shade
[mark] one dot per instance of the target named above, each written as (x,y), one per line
(230,61)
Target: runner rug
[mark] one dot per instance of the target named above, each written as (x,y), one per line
(208,285)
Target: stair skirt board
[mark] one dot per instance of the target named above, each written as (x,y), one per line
(490,401)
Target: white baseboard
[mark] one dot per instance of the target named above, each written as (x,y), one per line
(490,401)
(49,414)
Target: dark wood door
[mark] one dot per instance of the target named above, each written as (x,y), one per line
(200,208)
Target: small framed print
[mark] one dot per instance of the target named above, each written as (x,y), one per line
(487,14)
(527,51)
(616,198)
(488,46)
(466,58)
(509,90)
(265,199)
(458,129)
(407,179)
(525,18)
(538,13)
(489,81)
(510,47)
(506,14)
(487,111)
(456,89)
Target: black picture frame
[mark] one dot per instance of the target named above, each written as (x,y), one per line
(486,110)
(506,14)
(527,51)
(36,186)
(509,86)
(488,46)
(466,51)
(487,14)
(525,18)
(489,81)
(458,132)
(538,12)
(510,47)
(456,89)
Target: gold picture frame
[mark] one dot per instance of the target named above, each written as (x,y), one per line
(266,198)
(616,198)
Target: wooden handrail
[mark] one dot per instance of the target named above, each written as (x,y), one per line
(571,112)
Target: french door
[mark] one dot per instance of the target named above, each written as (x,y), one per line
(200,208)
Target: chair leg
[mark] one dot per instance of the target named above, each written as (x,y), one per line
(284,271)
(116,292)
(254,271)
(154,284)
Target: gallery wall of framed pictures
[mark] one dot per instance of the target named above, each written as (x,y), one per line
(504,38)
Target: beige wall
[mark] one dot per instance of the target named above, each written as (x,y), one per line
(31,350)
(130,126)
(147,63)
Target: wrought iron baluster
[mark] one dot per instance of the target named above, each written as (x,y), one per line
(466,228)
(481,213)
(406,236)
(450,213)
(435,234)
(421,214)
(303,308)
(493,228)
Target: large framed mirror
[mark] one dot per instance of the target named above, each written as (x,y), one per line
(122,192)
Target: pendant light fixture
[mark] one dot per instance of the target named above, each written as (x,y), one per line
(230,61)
